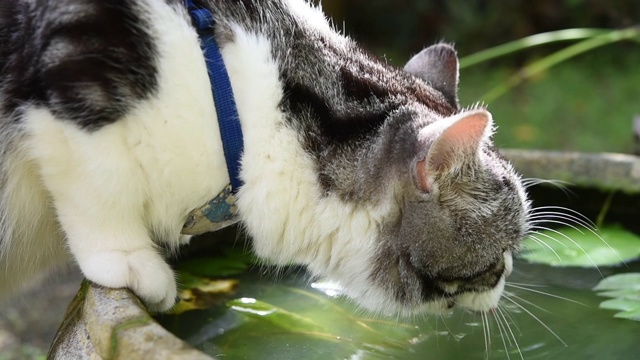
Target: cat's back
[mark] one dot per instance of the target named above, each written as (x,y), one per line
(87,61)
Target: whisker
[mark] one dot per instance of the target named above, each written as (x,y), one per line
(565,210)
(485,334)
(514,296)
(504,343)
(513,336)
(507,312)
(592,229)
(536,227)
(538,320)
(574,243)
(542,243)
(517,286)
(527,285)
(549,237)
(560,184)
(444,322)
(537,217)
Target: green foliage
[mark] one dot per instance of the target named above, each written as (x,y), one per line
(592,99)
(404,27)
(625,291)
(612,245)
(594,38)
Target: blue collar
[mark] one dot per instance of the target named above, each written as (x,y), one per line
(228,118)
(220,211)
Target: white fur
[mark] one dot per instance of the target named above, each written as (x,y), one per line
(164,158)
(488,300)
(281,203)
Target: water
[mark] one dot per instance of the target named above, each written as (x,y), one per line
(325,327)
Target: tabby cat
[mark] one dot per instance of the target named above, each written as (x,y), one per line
(369,175)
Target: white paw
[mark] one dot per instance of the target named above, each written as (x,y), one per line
(185,239)
(143,271)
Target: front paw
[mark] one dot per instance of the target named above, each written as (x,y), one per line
(143,271)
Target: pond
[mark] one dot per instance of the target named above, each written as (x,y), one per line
(553,313)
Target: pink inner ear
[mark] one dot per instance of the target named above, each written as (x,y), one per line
(422,176)
(459,140)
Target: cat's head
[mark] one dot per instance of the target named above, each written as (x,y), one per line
(463,210)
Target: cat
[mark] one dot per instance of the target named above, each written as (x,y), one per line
(370,175)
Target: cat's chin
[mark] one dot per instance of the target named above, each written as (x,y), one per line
(381,299)
(378,303)
(483,301)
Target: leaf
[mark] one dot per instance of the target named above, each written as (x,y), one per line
(201,293)
(323,318)
(625,290)
(631,315)
(629,281)
(275,315)
(612,245)
(620,304)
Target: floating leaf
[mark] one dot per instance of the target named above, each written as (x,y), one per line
(625,290)
(322,318)
(631,314)
(629,281)
(611,245)
(275,315)
(201,293)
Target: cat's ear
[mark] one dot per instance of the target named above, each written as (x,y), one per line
(458,143)
(438,66)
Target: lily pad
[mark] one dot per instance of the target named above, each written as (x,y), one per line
(611,245)
(625,290)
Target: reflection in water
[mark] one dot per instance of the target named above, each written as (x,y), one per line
(547,313)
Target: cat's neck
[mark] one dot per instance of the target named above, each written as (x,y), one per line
(356,128)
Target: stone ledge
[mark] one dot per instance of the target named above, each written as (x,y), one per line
(103,323)
(605,171)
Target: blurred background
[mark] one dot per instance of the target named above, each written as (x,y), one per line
(585,103)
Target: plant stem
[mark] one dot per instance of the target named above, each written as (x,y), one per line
(528,42)
(549,61)
(605,209)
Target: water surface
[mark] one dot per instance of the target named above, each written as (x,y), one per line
(539,326)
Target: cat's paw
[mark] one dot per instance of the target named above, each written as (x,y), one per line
(143,271)
(185,239)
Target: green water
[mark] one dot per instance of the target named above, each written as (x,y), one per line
(331,328)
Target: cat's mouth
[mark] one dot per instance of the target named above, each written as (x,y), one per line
(479,292)
(484,298)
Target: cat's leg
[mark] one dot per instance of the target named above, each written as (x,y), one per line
(99,191)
